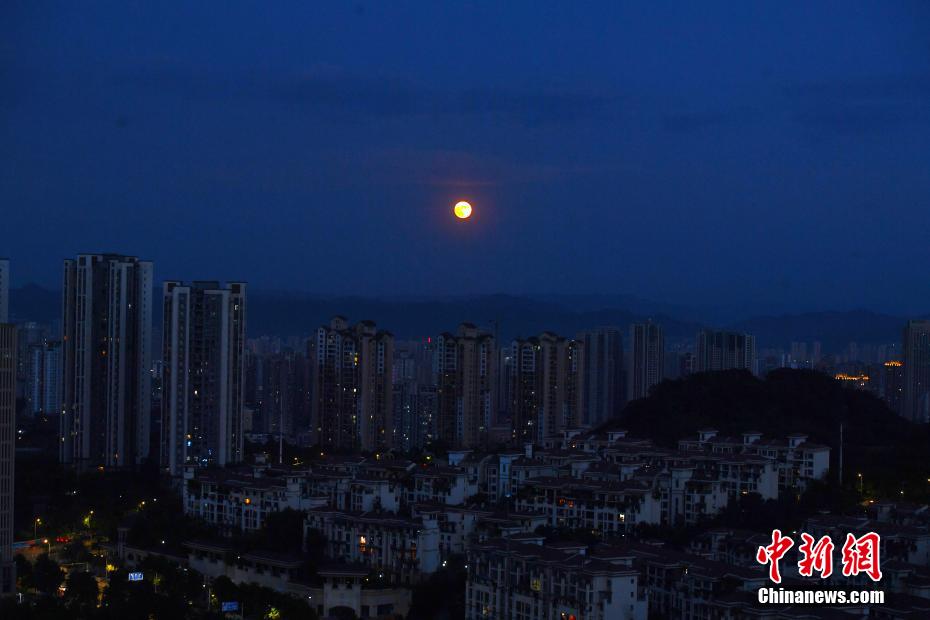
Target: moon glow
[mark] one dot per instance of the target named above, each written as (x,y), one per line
(462,210)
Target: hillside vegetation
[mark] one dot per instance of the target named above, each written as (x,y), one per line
(891,453)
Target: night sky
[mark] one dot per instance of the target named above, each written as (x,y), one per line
(688,152)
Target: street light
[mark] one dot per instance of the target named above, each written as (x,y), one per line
(35,527)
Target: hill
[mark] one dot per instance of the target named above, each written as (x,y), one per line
(889,451)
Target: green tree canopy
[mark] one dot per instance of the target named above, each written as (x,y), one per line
(47,575)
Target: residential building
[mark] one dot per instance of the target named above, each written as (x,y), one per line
(647,359)
(602,375)
(351,375)
(240,499)
(203,340)
(106,351)
(439,484)
(723,350)
(337,587)
(43,386)
(414,395)
(286,394)
(609,508)
(7,455)
(505,374)
(30,336)
(546,384)
(742,460)
(513,580)
(890,384)
(4,290)
(405,549)
(466,365)
(917,371)
(690,587)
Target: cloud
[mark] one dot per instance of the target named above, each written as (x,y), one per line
(862,105)
(689,121)
(330,92)
(874,88)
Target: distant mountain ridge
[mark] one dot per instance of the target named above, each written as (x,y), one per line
(34,303)
(294,314)
(508,316)
(835,330)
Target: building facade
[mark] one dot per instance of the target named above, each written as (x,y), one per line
(466,365)
(414,395)
(7,454)
(201,406)
(890,386)
(647,359)
(512,580)
(106,351)
(285,403)
(602,378)
(916,405)
(351,375)
(546,385)
(407,549)
(4,290)
(30,336)
(722,350)
(43,393)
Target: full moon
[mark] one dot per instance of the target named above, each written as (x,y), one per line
(462,210)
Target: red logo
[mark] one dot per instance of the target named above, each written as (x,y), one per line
(859,555)
(773,553)
(816,557)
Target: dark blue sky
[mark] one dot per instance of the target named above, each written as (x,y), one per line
(692,152)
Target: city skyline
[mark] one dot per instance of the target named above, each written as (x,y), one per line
(213,385)
(465,310)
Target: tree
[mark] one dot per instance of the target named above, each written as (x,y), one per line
(12,610)
(47,575)
(888,450)
(443,594)
(82,593)
(316,545)
(77,551)
(45,608)
(281,529)
(171,581)
(343,613)
(128,600)
(23,572)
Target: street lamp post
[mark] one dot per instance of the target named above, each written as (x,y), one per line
(35,527)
